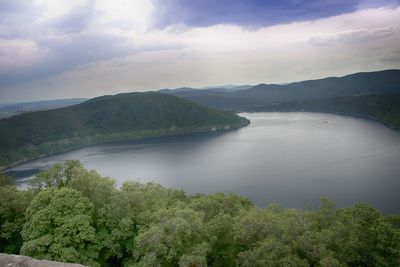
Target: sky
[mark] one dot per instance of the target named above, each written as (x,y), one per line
(52,49)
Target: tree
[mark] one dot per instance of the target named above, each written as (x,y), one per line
(220,212)
(270,252)
(59,227)
(76,215)
(4,179)
(12,208)
(145,199)
(114,223)
(366,237)
(58,176)
(176,236)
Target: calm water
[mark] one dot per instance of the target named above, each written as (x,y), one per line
(288,158)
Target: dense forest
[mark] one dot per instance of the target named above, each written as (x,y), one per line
(120,117)
(378,82)
(71,214)
(384,108)
(374,95)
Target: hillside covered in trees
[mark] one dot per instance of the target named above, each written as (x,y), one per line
(120,117)
(384,108)
(74,215)
(373,95)
(378,82)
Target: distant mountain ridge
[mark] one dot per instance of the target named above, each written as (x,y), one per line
(373,95)
(121,117)
(8,110)
(194,91)
(386,81)
(358,83)
(384,107)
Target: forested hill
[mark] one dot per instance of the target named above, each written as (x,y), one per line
(384,108)
(120,117)
(370,94)
(386,81)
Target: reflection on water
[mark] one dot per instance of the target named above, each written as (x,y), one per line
(288,158)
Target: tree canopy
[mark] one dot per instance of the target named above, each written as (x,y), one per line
(74,215)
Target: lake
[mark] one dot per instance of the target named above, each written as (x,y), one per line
(288,158)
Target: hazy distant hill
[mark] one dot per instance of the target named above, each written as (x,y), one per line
(230,87)
(108,118)
(262,94)
(8,110)
(359,83)
(188,91)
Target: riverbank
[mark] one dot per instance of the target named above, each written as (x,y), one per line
(70,144)
(289,158)
(383,108)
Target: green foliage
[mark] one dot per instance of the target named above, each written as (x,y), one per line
(145,199)
(220,213)
(5,179)
(374,95)
(58,176)
(384,108)
(172,233)
(12,208)
(379,82)
(59,226)
(75,215)
(130,116)
(114,225)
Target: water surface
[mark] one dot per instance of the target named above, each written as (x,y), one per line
(288,158)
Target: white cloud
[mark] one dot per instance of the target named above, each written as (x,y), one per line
(131,14)
(18,53)
(353,36)
(177,56)
(53,9)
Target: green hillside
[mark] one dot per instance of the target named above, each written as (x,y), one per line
(374,95)
(121,117)
(384,108)
(386,81)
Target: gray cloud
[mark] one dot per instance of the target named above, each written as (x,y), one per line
(17,17)
(79,54)
(76,20)
(252,13)
(64,55)
(10,10)
(356,36)
(63,42)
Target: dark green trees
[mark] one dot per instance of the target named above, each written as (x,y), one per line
(59,226)
(113,226)
(75,215)
(12,215)
(129,116)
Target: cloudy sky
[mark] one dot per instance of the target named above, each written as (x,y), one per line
(83,48)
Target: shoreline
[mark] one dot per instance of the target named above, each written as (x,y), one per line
(325,112)
(180,132)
